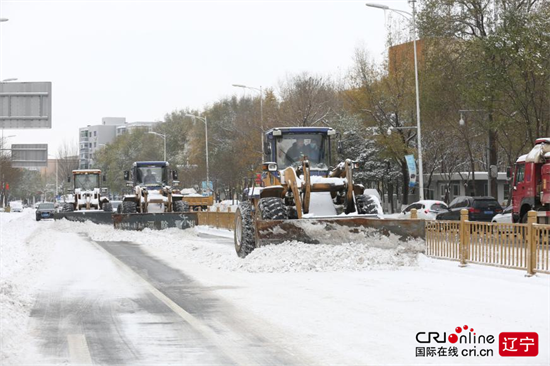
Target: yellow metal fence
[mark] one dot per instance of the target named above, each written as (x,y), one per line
(218,219)
(519,246)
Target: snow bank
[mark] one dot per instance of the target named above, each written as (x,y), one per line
(24,248)
(374,252)
(294,256)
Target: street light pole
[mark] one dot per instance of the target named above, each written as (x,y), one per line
(206,138)
(412,18)
(261,112)
(164,138)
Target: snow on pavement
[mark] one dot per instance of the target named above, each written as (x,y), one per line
(352,304)
(356,304)
(25,245)
(379,252)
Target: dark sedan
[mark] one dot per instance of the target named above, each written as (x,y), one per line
(45,210)
(479,208)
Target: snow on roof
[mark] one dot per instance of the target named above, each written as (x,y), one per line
(521,159)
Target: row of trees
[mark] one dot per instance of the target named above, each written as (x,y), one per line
(486,58)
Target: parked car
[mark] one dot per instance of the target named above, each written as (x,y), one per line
(505,217)
(16,206)
(425,209)
(479,208)
(45,211)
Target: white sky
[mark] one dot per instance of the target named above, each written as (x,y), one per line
(143,59)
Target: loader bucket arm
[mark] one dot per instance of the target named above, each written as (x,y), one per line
(349,189)
(307,185)
(292,181)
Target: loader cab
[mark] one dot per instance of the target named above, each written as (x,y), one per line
(86,180)
(286,146)
(150,174)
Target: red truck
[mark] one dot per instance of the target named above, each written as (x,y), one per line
(531,184)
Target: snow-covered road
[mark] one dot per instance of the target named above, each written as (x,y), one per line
(80,293)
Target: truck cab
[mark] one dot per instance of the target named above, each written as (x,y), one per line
(531,183)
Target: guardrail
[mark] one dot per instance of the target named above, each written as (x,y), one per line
(518,246)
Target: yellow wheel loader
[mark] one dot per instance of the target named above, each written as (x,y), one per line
(300,197)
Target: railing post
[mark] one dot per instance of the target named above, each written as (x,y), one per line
(414,214)
(462,232)
(531,243)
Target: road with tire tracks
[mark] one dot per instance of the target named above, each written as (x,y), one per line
(111,303)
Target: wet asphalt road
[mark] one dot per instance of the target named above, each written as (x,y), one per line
(110,303)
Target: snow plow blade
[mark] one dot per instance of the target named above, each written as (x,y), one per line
(97,217)
(335,230)
(154,221)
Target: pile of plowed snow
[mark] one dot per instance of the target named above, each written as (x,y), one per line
(24,248)
(299,257)
(373,252)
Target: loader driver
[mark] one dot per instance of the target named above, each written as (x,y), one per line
(149,178)
(296,151)
(87,183)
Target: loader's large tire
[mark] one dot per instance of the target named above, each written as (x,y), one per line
(366,205)
(108,207)
(129,207)
(67,207)
(272,208)
(245,235)
(181,206)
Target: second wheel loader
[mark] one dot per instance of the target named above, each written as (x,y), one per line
(154,201)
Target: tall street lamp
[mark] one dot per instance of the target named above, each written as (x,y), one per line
(412,19)
(164,138)
(206,138)
(261,111)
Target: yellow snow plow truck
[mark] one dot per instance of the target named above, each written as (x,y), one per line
(300,197)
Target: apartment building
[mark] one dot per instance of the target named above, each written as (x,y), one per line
(94,137)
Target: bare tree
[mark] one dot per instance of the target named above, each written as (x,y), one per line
(67,161)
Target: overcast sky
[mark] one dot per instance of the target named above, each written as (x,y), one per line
(143,59)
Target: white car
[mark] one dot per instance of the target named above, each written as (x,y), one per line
(505,217)
(426,209)
(16,206)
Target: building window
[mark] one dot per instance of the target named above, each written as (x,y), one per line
(506,191)
(456,190)
(95,144)
(95,133)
